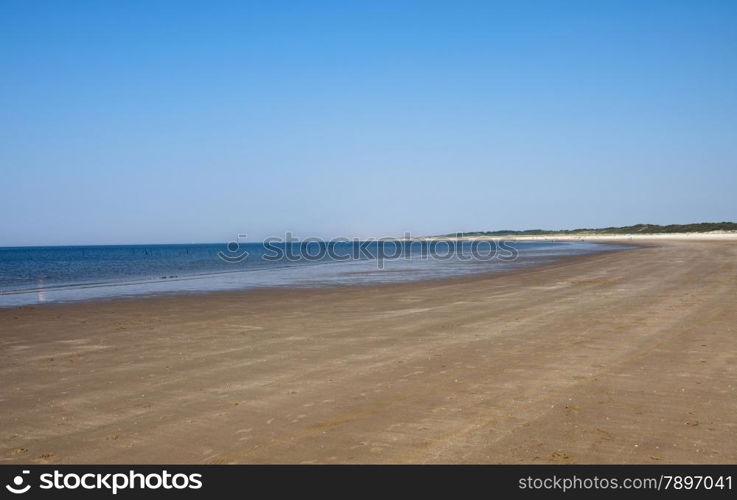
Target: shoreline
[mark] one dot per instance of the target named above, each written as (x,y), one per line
(631,240)
(316,289)
(540,365)
(313,287)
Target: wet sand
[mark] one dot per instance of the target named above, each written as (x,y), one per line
(622,357)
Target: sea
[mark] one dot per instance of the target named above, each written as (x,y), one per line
(39,275)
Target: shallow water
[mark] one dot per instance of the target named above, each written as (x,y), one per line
(34,275)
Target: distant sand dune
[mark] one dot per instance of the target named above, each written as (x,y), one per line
(711,236)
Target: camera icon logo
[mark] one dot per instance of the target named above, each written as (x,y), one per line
(17,487)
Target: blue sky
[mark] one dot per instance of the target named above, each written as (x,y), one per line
(144,122)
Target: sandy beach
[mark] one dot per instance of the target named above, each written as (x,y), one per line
(620,357)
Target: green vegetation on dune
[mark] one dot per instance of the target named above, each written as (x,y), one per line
(701,227)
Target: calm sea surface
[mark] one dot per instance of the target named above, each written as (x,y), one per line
(32,275)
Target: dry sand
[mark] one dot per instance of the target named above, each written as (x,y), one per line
(629,356)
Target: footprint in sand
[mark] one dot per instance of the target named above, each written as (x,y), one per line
(560,456)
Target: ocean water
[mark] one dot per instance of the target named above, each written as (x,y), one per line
(35,275)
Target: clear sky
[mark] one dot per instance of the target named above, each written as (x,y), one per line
(154,121)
